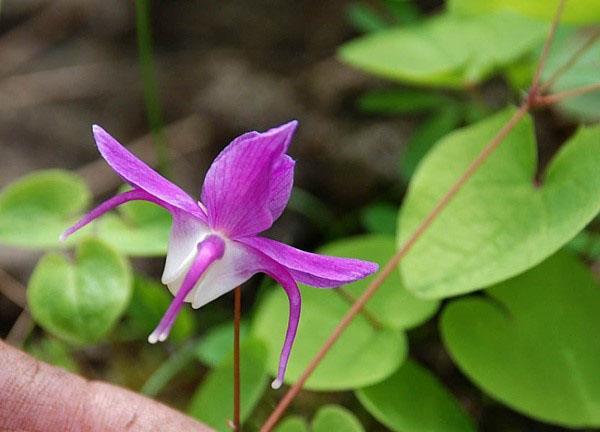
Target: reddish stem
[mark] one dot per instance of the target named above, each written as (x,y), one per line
(237,312)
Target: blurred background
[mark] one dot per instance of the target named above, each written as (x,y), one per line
(209,71)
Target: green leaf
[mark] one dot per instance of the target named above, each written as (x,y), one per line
(140,229)
(148,304)
(583,72)
(576,11)
(55,352)
(502,222)
(80,302)
(213,401)
(393,305)
(446,50)
(161,377)
(414,400)
(292,424)
(532,342)
(364,18)
(405,101)
(217,343)
(364,354)
(37,208)
(329,418)
(335,418)
(380,218)
(587,244)
(426,135)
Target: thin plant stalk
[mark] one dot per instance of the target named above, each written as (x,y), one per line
(237,312)
(151,97)
(572,60)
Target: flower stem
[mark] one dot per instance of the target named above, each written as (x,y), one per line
(148,70)
(554,98)
(375,323)
(572,61)
(546,50)
(237,312)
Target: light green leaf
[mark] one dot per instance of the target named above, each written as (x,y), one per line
(213,401)
(37,208)
(576,11)
(292,424)
(501,222)
(335,418)
(393,305)
(148,304)
(413,400)
(140,229)
(532,342)
(365,354)
(446,50)
(217,343)
(80,302)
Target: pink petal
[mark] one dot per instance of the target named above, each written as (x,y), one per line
(248,184)
(312,269)
(282,180)
(108,205)
(141,176)
(209,250)
(284,278)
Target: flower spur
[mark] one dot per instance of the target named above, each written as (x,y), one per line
(214,244)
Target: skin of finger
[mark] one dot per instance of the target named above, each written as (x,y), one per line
(35,396)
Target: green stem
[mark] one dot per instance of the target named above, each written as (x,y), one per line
(148,70)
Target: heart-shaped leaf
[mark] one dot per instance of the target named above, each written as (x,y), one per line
(292,424)
(335,418)
(329,418)
(213,401)
(503,221)
(366,353)
(80,302)
(576,11)
(140,229)
(532,342)
(37,208)
(447,50)
(413,400)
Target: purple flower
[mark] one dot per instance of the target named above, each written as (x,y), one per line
(214,244)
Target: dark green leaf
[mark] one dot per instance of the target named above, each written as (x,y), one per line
(532,342)
(413,400)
